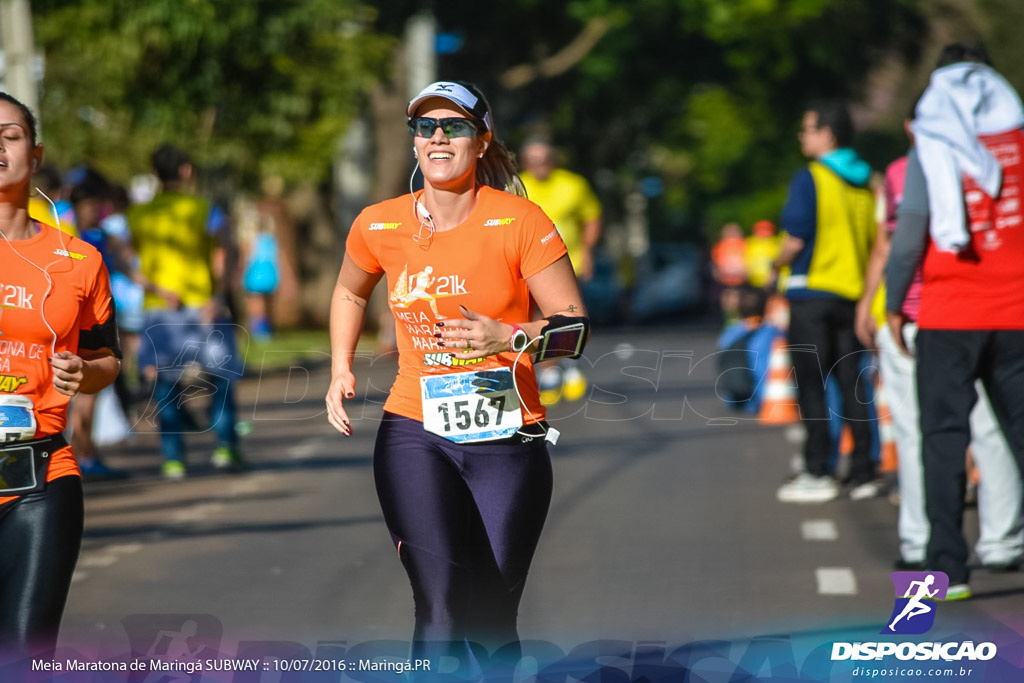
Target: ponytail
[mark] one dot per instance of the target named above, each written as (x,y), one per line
(497,169)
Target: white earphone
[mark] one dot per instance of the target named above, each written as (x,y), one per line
(422,211)
(415,154)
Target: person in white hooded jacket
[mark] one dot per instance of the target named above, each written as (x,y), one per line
(962,221)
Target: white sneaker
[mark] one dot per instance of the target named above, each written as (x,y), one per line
(869,489)
(807,488)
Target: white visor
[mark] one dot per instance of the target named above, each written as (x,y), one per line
(458,94)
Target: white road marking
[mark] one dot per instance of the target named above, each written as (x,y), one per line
(306,449)
(247,485)
(836,581)
(108,556)
(819,530)
(197,512)
(97,560)
(124,548)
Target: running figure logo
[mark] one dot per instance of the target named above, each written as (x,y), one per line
(409,289)
(916,593)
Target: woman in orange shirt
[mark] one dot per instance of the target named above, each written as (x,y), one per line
(58,338)
(461,462)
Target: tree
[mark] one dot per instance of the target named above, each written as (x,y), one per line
(265,87)
(704,95)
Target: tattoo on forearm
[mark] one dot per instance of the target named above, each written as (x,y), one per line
(572,308)
(360,304)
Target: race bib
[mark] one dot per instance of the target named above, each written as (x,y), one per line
(471,406)
(17,418)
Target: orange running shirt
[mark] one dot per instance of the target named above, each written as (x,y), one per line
(481,264)
(730,255)
(77,301)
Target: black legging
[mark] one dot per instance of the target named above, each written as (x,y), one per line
(466,519)
(40,536)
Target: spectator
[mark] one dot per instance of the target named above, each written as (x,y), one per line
(962,220)
(568,200)
(128,294)
(1002,535)
(49,203)
(830,225)
(261,262)
(90,200)
(729,269)
(745,352)
(187,338)
(762,248)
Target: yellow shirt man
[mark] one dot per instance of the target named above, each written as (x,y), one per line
(568,201)
(571,205)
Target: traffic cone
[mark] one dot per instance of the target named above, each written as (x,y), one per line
(779,404)
(845,440)
(888,456)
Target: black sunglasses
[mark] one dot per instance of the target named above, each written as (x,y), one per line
(424,127)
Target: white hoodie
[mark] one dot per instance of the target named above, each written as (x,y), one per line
(963,101)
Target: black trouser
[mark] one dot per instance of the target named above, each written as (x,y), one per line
(948,363)
(823,344)
(40,536)
(466,519)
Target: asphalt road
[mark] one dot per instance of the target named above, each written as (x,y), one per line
(665,555)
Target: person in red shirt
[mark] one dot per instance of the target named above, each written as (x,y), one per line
(58,338)
(461,463)
(961,221)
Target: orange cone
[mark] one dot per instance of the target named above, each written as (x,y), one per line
(779,404)
(888,456)
(845,440)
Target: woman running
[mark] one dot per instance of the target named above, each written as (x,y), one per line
(461,462)
(58,338)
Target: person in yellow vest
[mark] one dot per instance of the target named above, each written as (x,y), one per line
(569,201)
(829,220)
(763,247)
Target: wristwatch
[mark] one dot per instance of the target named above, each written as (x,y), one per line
(520,340)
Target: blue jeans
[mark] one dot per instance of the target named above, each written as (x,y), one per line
(172,342)
(171,396)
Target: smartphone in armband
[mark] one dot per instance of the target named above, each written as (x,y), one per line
(565,341)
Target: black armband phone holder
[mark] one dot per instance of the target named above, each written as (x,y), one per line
(563,337)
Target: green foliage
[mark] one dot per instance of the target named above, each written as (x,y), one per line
(705,95)
(265,86)
(1002,39)
(720,135)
